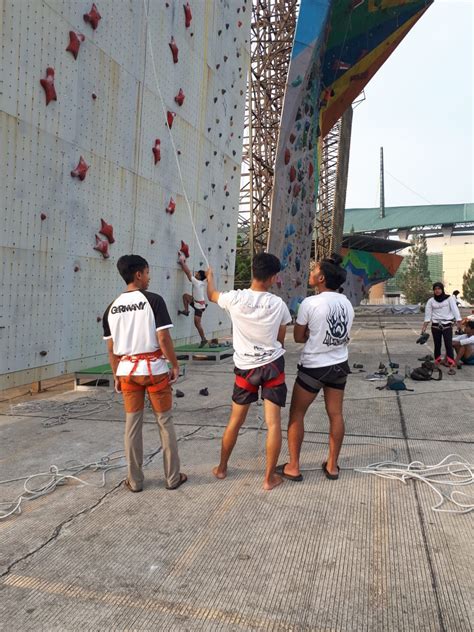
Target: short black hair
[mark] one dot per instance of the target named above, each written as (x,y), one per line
(456,292)
(264,266)
(334,274)
(201,274)
(127,265)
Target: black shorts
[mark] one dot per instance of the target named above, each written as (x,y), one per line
(270,377)
(198,311)
(313,380)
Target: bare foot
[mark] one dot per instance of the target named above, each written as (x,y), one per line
(218,473)
(272,482)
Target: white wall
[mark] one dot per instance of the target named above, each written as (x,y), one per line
(45,304)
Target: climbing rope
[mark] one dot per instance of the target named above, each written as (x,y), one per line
(451,473)
(163,107)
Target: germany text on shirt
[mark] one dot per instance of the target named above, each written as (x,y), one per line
(132,321)
(256,319)
(329,318)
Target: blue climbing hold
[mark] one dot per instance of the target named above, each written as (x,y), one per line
(290,230)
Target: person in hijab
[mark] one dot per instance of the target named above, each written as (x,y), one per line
(441,311)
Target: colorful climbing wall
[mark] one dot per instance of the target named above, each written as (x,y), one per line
(88,169)
(365,269)
(339,46)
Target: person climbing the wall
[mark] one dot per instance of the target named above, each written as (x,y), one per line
(259,321)
(441,311)
(136,329)
(324,325)
(198,298)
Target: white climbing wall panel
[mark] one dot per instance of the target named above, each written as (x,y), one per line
(54,285)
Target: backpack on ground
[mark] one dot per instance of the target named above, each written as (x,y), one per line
(424,373)
(395,383)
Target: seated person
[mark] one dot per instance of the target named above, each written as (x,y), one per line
(464,343)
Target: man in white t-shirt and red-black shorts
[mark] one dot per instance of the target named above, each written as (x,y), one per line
(136,328)
(324,324)
(196,300)
(259,321)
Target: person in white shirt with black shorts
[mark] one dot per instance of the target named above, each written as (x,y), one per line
(324,324)
(441,311)
(259,321)
(197,300)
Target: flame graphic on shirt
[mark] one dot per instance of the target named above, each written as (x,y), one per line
(338,321)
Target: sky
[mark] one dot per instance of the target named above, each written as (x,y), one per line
(419,107)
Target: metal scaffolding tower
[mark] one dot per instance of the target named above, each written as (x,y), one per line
(272,33)
(335,147)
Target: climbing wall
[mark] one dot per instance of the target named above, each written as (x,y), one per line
(89,172)
(339,46)
(296,168)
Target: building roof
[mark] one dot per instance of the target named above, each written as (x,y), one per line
(369,243)
(359,220)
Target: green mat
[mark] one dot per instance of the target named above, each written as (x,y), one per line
(196,348)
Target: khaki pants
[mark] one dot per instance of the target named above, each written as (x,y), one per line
(159,392)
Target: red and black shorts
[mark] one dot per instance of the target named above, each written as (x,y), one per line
(269,377)
(199,310)
(313,380)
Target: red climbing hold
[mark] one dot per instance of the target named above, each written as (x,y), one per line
(296,189)
(310,169)
(152,241)
(239,24)
(93,17)
(76,268)
(107,230)
(170,118)
(287,156)
(75,40)
(157,151)
(43,216)
(188,16)
(184,249)
(102,246)
(81,169)
(179,98)
(292,174)
(48,86)
(292,138)
(171,207)
(174,50)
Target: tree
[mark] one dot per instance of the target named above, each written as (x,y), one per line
(242,274)
(415,281)
(468,285)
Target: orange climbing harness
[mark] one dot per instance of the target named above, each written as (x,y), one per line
(149,357)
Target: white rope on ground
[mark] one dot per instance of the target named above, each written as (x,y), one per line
(456,472)
(163,107)
(59,413)
(57,476)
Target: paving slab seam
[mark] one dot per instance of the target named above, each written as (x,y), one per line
(58,529)
(421,518)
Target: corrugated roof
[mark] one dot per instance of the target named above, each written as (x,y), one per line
(366,219)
